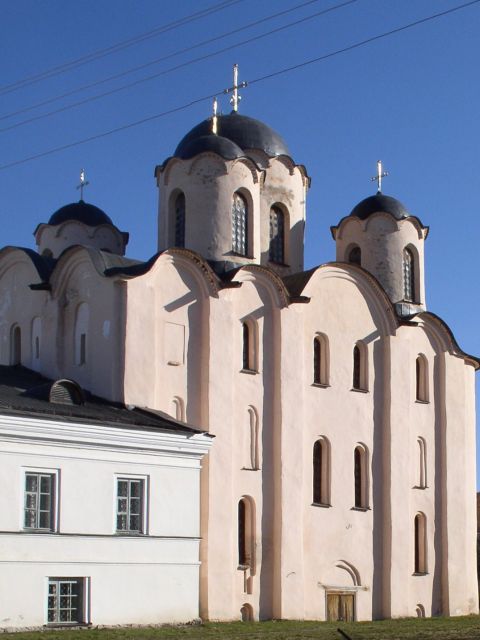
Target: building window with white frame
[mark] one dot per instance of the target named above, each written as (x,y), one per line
(239,225)
(39,501)
(66,601)
(130,505)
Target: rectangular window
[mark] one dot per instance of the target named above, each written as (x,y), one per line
(130,505)
(66,601)
(39,505)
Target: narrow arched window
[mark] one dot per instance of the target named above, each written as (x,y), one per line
(246,534)
(360,367)
(178,408)
(251,455)
(360,462)
(239,225)
(246,346)
(320,360)
(249,345)
(420,533)
(36,338)
(355,256)
(321,472)
(180,220)
(276,251)
(81,331)
(422,463)
(408,276)
(16,345)
(421,378)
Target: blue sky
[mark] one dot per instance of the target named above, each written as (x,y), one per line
(410,99)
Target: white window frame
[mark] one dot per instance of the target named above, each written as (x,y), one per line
(84,608)
(55,503)
(144,502)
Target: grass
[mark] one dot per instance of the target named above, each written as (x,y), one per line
(464,628)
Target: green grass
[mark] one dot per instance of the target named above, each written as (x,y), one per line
(466,628)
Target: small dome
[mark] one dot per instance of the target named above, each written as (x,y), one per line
(81,211)
(380,203)
(218,144)
(246,133)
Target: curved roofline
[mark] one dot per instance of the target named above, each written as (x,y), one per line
(43,265)
(364,221)
(279,285)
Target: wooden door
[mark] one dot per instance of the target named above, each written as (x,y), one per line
(340,607)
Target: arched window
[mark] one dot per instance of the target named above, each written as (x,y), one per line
(355,255)
(251,455)
(178,408)
(321,472)
(249,345)
(420,527)
(360,367)
(180,220)
(422,463)
(321,363)
(36,339)
(246,612)
(276,251)
(421,378)
(239,225)
(246,534)
(408,276)
(15,345)
(81,330)
(360,462)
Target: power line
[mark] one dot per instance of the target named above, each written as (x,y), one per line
(177,67)
(254,81)
(100,53)
(157,60)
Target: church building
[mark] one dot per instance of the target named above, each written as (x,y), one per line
(340,483)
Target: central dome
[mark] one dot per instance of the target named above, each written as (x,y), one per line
(81,211)
(243,132)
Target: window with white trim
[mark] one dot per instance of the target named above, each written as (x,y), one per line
(39,500)
(66,601)
(130,505)
(240,225)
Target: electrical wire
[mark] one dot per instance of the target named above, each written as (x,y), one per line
(157,60)
(254,81)
(95,55)
(176,67)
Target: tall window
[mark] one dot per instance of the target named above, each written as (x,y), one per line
(276,252)
(239,225)
(66,600)
(360,461)
(421,378)
(81,329)
(355,256)
(130,505)
(180,220)
(246,534)
(249,345)
(360,367)
(320,359)
(251,455)
(16,345)
(408,276)
(422,463)
(321,472)
(39,501)
(420,528)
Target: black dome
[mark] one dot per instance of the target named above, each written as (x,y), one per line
(87,213)
(223,146)
(244,132)
(380,202)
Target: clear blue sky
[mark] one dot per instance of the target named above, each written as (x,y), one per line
(410,99)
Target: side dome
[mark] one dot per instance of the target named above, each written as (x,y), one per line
(218,144)
(245,132)
(380,203)
(81,211)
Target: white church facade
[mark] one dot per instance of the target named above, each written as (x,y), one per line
(341,479)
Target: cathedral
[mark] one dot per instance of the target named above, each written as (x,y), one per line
(332,415)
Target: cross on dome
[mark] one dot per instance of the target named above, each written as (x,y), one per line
(235,99)
(214,118)
(83,183)
(380,174)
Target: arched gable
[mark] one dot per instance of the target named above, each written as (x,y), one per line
(267,279)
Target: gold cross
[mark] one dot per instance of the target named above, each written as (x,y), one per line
(235,99)
(380,174)
(83,183)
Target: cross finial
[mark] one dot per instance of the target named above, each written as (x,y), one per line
(380,174)
(83,183)
(214,119)
(235,99)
